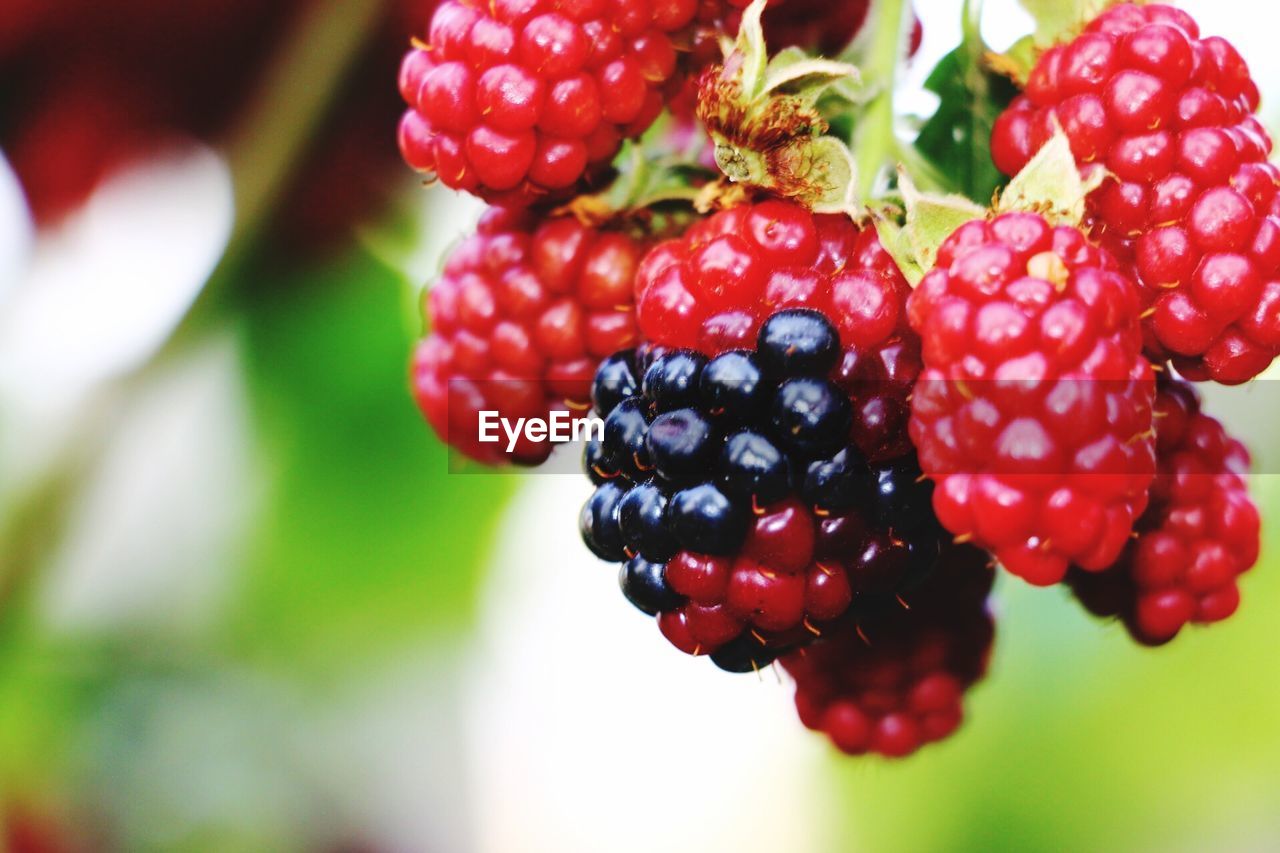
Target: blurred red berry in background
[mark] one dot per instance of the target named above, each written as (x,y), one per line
(93,87)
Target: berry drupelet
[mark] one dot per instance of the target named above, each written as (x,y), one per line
(519,320)
(518,100)
(1190,200)
(1034,412)
(711,289)
(728,489)
(892,681)
(1200,534)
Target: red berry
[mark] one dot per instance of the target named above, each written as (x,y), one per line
(1034,412)
(1200,533)
(519,320)
(891,681)
(1190,200)
(541,94)
(711,289)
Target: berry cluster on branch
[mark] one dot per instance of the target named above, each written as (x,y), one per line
(846,378)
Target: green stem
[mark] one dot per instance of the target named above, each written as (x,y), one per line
(874,141)
(971,24)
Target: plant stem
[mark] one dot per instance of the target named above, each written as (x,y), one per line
(874,141)
(971,25)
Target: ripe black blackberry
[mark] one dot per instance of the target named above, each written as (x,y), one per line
(729,491)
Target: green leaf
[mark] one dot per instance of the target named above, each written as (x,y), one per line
(930,220)
(807,78)
(831,173)
(956,140)
(1055,18)
(1051,184)
(751,50)
(1060,20)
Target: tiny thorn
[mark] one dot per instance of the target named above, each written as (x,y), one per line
(1142,436)
(963,539)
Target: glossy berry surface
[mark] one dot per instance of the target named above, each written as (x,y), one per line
(712,289)
(1034,412)
(733,494)
(519,321)
(1190,201)
(891,681)
(1200,534)
(518,100)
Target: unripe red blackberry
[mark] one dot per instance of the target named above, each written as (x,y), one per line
(728,488)
(893,681)
(519,321)
(711,289)
(1034,411)
(1200,534)
(1190,199)
(516,100)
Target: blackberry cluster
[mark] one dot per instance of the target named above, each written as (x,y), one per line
(1034,412)
(728,489)
(894,679)
(1200,534)
(711,289)
(523,312)
(518,100)
(1190,199)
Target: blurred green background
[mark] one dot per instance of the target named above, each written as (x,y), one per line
(244,606)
